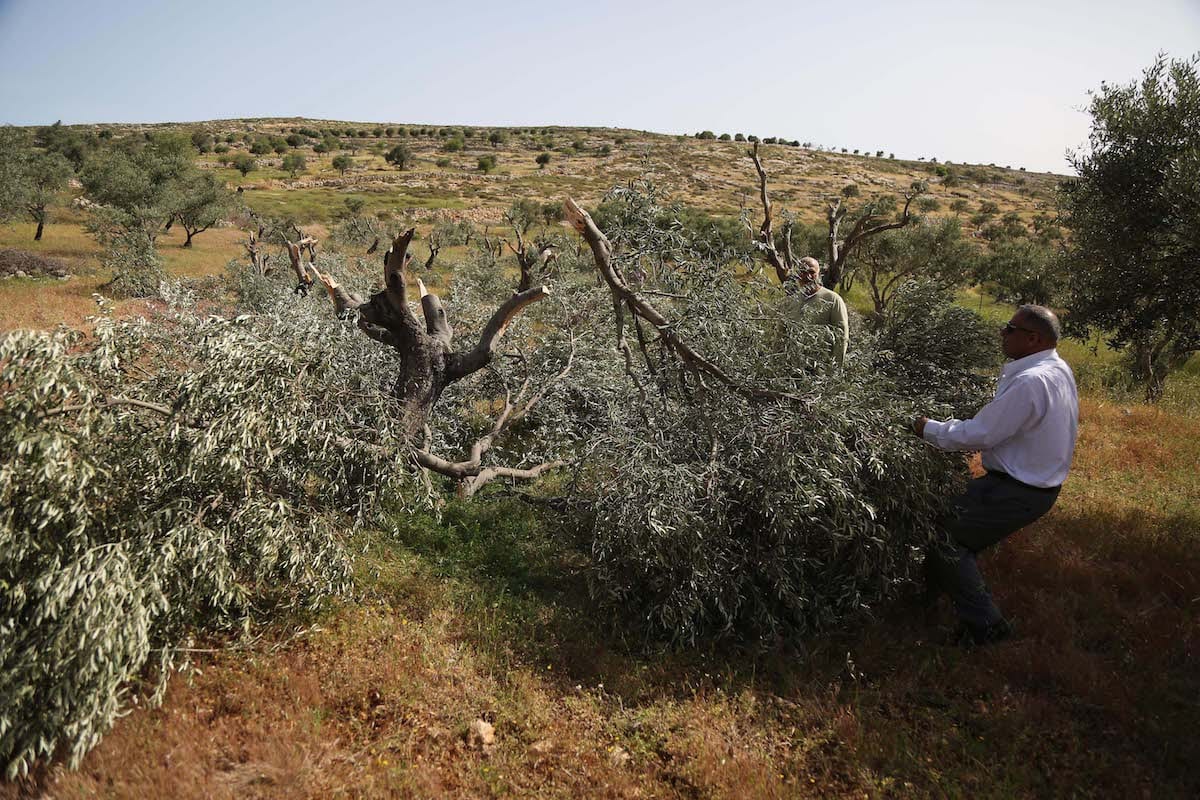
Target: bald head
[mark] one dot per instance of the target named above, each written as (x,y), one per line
(809,270)
(1043,321)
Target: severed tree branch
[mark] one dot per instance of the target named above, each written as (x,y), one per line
(765,241)
(624,297)
(437,324)
(110,402)
(459,365)
(294,251)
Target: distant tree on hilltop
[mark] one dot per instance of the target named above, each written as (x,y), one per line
(401,156)
(293,163)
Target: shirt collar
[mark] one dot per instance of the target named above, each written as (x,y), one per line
(1022,364)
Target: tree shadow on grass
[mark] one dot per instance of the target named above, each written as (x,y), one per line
(1106,651)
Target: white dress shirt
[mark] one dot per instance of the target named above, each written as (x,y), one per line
(1029,428)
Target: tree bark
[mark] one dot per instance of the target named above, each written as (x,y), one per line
(41,226)
(839,250)
(428,361)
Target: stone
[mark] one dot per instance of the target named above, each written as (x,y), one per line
(481,736)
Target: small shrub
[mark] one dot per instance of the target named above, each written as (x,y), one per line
(136,267)
(486,164)
(443,162)
(542,160)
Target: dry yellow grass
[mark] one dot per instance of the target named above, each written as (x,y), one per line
(1091,697)
(1095,696)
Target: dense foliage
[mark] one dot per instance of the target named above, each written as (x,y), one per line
(714,513)
(934,350)
(164,477)
(1134,218)
(187,474)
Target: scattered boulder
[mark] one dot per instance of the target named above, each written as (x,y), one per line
(23,264)
(481,736)
(618,756)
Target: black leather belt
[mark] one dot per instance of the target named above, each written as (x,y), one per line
(995,473)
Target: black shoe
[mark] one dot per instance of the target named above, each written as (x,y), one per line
(969,636)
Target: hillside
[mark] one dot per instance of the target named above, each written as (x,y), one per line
(482,613)
(585,163)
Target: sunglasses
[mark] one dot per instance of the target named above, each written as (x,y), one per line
(1008,328)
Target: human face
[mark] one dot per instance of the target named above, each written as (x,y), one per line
(1017,339)
(809,275)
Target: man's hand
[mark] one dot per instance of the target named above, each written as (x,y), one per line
(918,426)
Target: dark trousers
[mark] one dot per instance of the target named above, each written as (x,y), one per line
(991,508)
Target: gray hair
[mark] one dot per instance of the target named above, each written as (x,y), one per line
(1043,321)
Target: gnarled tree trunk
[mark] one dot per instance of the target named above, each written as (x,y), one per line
(429,363)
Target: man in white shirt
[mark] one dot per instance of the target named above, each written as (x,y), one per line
(1026,437)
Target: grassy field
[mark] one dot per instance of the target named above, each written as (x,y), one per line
(485,616)
(484,613)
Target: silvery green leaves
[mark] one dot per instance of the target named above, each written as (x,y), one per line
(940,354)
(782,509)
(161,477)
(763,520)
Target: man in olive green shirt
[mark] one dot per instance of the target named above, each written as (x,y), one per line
(813,304)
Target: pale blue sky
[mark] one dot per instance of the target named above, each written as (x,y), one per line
(974,80)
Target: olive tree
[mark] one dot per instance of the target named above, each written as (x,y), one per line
(932,249)
(1134,216)
(202,202)
(400,156)
(244,163)
(137,186)
(31,179)
(874,217)
(293,163)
